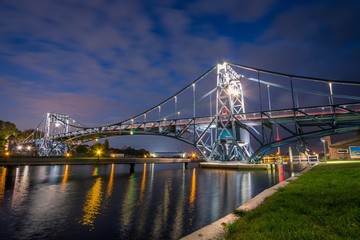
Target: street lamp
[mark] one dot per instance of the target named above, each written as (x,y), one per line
(98,154)
(234,88)
(7,154)
(324,144)
(28,150)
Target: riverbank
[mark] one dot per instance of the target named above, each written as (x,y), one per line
(323,204)
(217,230)
(36,161)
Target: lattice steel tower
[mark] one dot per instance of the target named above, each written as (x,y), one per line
(55,123)
(232,141)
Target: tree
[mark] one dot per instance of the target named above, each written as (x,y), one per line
(96,147)
(22,135)
(106,146)
(116,150)
(81,150)
(7,129)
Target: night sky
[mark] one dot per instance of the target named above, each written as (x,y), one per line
(104,61)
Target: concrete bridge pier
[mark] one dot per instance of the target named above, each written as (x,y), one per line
(132,167)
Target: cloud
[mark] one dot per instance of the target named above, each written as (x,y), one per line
(238,11)
(111,59)
(315,39)
(331,23)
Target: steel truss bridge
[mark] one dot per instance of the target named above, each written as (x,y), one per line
(240,118)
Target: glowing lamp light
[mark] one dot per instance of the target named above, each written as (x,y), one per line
(19,147)
(233,89)
(131,132)
(278,139)
(28,148)
(67,155)
(7,154)
(57,124)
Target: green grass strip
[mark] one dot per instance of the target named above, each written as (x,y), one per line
(323,203)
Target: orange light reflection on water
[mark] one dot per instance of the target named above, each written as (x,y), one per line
(193,188)
(95,171)
(2,183)
(65,178)
(92,205)
(143,183)
(111,181)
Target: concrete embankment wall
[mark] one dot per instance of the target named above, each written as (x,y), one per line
(21,161)
(237,166)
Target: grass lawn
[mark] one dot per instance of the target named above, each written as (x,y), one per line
(323,203)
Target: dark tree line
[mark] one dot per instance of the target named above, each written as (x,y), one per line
(7,130)
(86,150)
(9,133)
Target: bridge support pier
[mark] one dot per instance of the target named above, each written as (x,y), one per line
(132,167)
(185,165)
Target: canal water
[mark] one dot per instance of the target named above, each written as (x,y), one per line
(157,201)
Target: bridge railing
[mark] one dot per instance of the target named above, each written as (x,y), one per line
(298,112)
(301,159)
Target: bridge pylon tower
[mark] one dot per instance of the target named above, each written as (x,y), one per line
(229,140)
(55,123)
